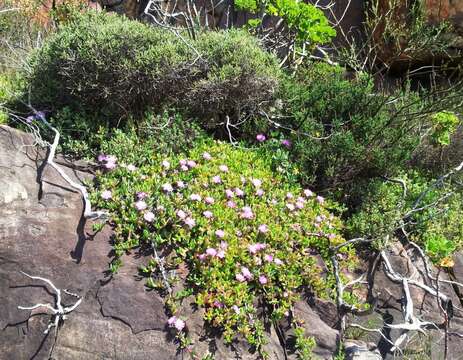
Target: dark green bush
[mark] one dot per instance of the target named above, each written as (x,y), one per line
(114,66)
(343,130)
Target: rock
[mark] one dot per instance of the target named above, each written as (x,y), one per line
(359,350)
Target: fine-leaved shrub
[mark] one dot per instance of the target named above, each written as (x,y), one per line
(108,64)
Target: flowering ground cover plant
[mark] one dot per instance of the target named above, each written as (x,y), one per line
(251,241)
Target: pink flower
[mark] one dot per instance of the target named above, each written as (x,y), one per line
(246,273)
(179,324)
(246,213)
(331,236)
(191,163)
(195,197)
(216,179)
(220,254)
(140,205)
(223,168)
(308,193)
(263,228)
(259,192)
(165,164)
(202,257)
(256,182)
(190,222)
(299,205)
(236,309)
(218,304)
(181,214)
(254,248)
(278,261)
(261,137)
(287,143)
(263,280)
(207,156)
(223,245)
(268,258)
(141,195)
(180,184)
(318,219)
(320,199)
(231,204)
(131,167)
(167,188)
(182,162)
(300,199)
(229,193)
(240,277)
(110,165)
(207,214)
(239,192)
(171,320)
(289,195)
(184,168)
(106,195)
(148,216)
(209,200)
(290,207)
(101,157)
(220,234)
(211,252)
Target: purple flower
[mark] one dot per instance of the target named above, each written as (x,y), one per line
(184,168)
(209,200)
(207,214)
(246,213)
(216,179)
(202,257)
(254,248)
(263,280)
(320,199)
(179,324)
(308,193)
(106,195)
(220,234)
(223,168)
(40,115)
(240,277)
(211,252)
(229,193)
(259,192)
(256,182)
(191,163)
(287,143)
(165,164)
(246,273)
(171,320)
(30,119)
(263,228)
(223,245)
(207,156)
(268,258)
(182,162)
(140,205)
(167,188)
(181,214)
(239,192)
(231,204)
(141,195)
(278,261)
(110,165)
(220,254)
(236,309)
(180,184)
(190,222)
(299,205)
(102,158)
(289,196)
(148,216)
(331,236)
(261,137)
(218,304)
(195,197)
(290,207)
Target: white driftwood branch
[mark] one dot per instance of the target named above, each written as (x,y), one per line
(59,312)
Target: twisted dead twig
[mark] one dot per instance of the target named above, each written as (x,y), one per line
(162,269)
(59,312)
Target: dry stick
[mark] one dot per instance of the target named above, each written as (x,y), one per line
(160,262)
(88,213)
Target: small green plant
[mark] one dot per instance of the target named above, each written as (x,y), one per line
(444,124)
(304,345)
(250,238)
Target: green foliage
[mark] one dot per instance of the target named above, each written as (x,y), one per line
(342,129)
(250,240)
(308,23)
(431,213)
(304,345)
(444,125)
(98,62)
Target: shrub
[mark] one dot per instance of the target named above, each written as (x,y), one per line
(107,63)
(342,130)
(249,240)
(433,222)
